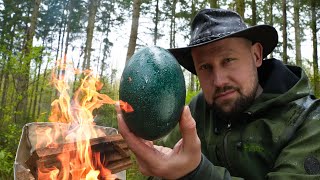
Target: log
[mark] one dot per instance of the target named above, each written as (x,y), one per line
(114,155)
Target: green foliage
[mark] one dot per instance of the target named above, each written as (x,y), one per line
(6,168)
(77,15)
(190,95)
(311,77)
(9,140)
(133,172)
(9,137)
(106,116)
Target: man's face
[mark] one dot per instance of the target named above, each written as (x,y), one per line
(227,70)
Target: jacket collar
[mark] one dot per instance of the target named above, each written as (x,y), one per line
(281,84)
(276,78)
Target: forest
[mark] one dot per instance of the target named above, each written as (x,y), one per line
(102,35)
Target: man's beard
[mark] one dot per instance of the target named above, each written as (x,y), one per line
(239,106)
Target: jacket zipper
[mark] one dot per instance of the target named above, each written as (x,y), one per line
(225,143)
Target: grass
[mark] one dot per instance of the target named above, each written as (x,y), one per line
(133,172)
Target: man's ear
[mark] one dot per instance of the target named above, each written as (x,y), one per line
(257,53)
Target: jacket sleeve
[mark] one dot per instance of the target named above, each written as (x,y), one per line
(300,158)
(206,170)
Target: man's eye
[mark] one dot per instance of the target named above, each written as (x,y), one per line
(227,60)
(204,67)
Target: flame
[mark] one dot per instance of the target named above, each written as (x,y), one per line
(48,173)
(77,111)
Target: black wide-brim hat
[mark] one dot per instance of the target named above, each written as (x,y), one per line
(211,25)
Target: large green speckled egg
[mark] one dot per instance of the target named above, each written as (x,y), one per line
(153,84)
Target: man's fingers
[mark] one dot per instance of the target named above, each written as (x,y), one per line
(143,149)
(188,130)
(191,145)
(148,143)
(131,139)
(178,146)
(161,161)
(118,109)
(162,149)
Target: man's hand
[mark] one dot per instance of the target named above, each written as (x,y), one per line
(161,161)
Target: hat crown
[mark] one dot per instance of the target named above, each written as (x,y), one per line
(210,24)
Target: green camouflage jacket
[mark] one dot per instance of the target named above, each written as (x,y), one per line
(278,137)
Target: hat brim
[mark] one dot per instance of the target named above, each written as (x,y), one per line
(264,34)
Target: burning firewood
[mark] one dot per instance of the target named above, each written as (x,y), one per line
(72,146)
(112,151)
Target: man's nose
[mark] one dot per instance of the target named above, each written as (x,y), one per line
(219,78)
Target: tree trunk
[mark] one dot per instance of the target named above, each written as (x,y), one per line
(93,8)
(254,12)
(155,38)
(271,19)
(33,92)
(105,43)
(4,94)
(214,3)
(57,52)
(105,50)
(99,57)
(271,11)
(5,72)
(284,32)
(22,79)
(265,12)
(42,88)
(3,56)
(315,50)
(192,76)
(62,27)
(173,24)
(68,29)
(240,7)
(63,34)
(60,39)
(134,28)
(36,94)
(75,79)
(113,76)
(296,21)
(6,89)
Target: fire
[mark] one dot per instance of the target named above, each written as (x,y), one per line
(77,111)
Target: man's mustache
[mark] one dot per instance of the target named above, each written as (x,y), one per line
(223,89)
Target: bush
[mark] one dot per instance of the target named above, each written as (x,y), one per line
(6,168)
(190,95)
(9,140)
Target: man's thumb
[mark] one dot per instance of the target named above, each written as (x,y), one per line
(188,130)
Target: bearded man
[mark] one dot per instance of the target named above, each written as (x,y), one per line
(255,118)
